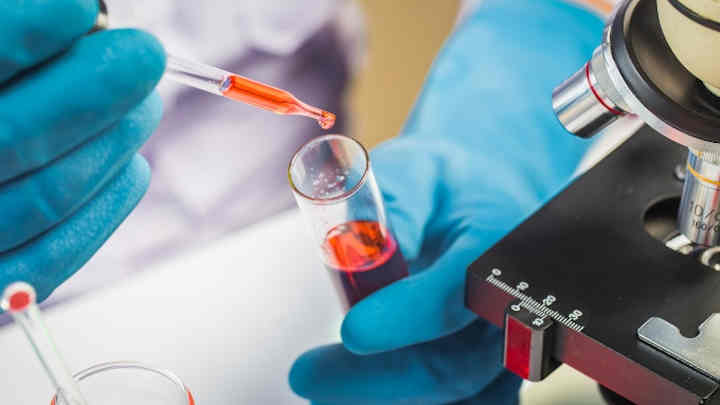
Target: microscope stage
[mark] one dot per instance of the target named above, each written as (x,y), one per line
(586,262)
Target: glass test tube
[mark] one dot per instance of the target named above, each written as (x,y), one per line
(130,383)
(335,188)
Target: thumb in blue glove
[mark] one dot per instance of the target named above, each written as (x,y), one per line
(74,110)
(480,153)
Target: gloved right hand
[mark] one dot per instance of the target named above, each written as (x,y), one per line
(481,151)
(74,110)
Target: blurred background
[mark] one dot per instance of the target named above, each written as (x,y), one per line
(400,48)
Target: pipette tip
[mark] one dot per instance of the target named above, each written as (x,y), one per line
(18,297)
(326,120)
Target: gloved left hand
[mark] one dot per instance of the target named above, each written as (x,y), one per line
(74,110)
(481,152)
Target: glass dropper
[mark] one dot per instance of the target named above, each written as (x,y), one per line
(230,85)
(19,299)
(239,88)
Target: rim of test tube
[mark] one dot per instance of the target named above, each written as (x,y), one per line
(17,297)
(340,197)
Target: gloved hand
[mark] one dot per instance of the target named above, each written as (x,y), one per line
(74,110)
(481,152)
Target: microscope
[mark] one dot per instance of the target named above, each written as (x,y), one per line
(618,276)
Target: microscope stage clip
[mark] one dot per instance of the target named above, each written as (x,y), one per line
(701,352)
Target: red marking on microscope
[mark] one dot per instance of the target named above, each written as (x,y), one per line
(597,95)
(517,348)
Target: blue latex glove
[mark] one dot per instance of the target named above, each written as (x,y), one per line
(74,110)
(481,152)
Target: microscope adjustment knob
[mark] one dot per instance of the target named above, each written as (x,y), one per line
(529,343)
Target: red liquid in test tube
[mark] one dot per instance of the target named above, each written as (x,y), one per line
(362,257)
(335,188)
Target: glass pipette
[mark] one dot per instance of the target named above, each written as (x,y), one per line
(239,88)
(230,85)
(19,299)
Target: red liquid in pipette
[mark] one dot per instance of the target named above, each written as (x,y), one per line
(276,100)
(362,257)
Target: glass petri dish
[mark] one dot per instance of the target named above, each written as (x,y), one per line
(125,382)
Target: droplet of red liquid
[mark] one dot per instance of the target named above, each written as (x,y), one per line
(327,120)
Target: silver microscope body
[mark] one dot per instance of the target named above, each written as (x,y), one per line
(618,275)
(664,68)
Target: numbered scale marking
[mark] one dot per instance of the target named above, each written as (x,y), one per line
(540,309)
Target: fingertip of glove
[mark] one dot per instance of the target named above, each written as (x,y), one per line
(404,229)
(140,169)
(126,56)
(145,118)
(413,310)
(297,378)
(359,332)
(390,318)
(303,376)
(376,324)
(146,47)
(129,187)
(354,336)
(154,105)
(141,165)
(315,373)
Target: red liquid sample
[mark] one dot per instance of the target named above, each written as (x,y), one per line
(273,99)
(362,257)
